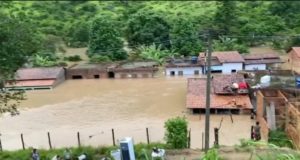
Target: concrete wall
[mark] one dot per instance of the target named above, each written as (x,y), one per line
(134,75)
(228,67)
(294,59)
(251,67)
(186,70)
(85,73)
(60,78)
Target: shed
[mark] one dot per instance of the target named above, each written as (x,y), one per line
(37,78)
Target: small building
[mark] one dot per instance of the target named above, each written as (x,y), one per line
(90,71)
(279,110)
(183,67)
(294,57)
(135,70)
(261,61)
(225,62)
(37,78)
(222,101)
(112,70)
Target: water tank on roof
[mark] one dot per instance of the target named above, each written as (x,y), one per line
(194,59)
(265,81)
(298,82)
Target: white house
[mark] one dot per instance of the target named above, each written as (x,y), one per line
(260,61)
(183,67)
(224,62)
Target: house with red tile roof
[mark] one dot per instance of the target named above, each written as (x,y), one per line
(261,61)
(37,78)
(221,99)
(225,62)
(294,57)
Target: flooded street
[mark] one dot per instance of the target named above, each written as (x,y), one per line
(94,107)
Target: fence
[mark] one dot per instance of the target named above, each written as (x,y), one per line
(77,137)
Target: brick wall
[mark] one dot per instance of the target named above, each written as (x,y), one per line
(294,59)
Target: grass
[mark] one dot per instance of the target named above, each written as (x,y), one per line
(142,151)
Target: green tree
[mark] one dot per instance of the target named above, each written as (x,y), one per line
(18,41)
(226,17)
(288,10)
(176,133)
(155,53)
(78,34)
(229,44)
(146,28)
(105,39)
(185,37)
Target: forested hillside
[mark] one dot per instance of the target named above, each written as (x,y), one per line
(37,31)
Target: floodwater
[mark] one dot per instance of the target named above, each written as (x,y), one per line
(94,107)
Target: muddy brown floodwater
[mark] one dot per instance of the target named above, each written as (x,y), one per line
(94,107)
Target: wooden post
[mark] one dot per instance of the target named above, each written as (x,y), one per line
(22,140)
(113,136)
(202,140)
(189,139)
(0,145)
(147,133)
(49,140)
(78,139)
(216,137)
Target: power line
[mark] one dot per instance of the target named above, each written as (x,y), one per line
(197,37)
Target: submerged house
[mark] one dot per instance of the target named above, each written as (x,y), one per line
(224,98)
(182,67)
(135,70)
(112,70)
(37,78)
(261,61)
(225,62)
(90,71)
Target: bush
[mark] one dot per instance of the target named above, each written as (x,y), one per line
(212,154)
(176,133)
(279,138)
(99,58)
(74,58)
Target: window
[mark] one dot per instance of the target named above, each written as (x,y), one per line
(76,77)
(196,72)
(111,74)
(233,70)
(216,71)
(133,75)
(180,73)
(96,76)
(145,75)
(172,73)
(123,75)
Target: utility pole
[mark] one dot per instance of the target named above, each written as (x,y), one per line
(208,81)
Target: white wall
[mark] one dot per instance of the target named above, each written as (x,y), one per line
(251,67)
(227,67)
(186,70)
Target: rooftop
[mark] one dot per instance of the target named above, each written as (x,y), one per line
(226,56)
(38,73)
(196,88)
(182,63)
(262,58)
(220,82)
(297,50)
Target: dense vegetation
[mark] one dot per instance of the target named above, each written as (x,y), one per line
(36,33)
